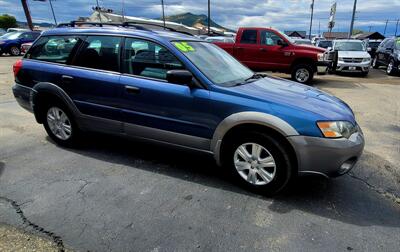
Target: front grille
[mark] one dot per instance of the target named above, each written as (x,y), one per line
(352,60)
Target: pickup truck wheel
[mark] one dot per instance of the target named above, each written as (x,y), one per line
(258,162)
(302,73)
(375,63)
(15,51)
(60,125)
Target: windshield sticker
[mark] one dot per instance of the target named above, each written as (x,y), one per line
(398,41)
(184,47)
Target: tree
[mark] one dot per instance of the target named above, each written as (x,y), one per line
(357,31)
(7,21)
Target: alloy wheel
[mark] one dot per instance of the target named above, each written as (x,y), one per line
(15,51)
(254,163)
(302,75)
(390,67)
(59,123)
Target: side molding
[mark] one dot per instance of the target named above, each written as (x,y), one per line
(236,119)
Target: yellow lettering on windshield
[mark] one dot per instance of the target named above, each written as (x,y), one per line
(183,47)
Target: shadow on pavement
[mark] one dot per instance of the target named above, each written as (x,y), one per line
(343,199)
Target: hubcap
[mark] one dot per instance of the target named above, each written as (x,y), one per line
(14,51)
(390,67)
(59,123)
(254,164)
(302,75)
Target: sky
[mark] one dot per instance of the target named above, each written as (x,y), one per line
(284,15)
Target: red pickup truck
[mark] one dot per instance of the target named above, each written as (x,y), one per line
(264,49)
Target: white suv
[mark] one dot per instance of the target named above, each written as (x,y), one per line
(352,56)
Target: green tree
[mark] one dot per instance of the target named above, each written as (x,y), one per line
(356,31)
(7,21)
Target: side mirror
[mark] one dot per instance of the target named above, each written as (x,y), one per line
(180,77)
(329,48)
(281,42)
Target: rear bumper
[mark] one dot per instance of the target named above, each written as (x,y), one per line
(329,157)
(23,95)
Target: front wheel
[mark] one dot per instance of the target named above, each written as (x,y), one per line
(390,68)
(258,162)
(59,125)
(375,64)
(303,73)
(15,51)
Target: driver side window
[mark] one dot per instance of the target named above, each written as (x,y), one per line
(269,38)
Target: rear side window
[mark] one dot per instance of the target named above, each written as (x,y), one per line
(390,44)
(249,37)
(99,52)
(148,59)
(56,49)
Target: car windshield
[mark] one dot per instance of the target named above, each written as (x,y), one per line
(349,46)
(303,42)
(325,43)
(374,44)
(216,64)
(11,35)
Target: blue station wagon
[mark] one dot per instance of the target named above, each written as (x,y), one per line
(11,42)
(171,88)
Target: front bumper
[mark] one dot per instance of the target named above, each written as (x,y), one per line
(322,66)
(23,95)
(329,157)
(353,67)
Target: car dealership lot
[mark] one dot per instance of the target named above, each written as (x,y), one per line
(115,194)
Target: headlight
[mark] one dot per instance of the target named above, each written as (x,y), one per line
(320,57)
(366,59)
(337,129)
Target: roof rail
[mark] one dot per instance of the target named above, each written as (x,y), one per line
(134,24)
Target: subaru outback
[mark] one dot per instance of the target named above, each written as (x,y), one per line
(175,89)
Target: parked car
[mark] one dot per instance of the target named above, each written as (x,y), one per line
(269,49)
(17,30)
(388,55)
(351,56)
(220,39)
(300,41)
(324,43)
(25,47)
(2,32)
(11,42)
(372,46)
(187,93)
(315,39)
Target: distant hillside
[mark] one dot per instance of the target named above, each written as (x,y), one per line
(24,24)
(193,20)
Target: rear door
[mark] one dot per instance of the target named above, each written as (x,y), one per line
(247,49)
(92,80)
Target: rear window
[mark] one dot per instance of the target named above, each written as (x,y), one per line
(249,37)
(57,49)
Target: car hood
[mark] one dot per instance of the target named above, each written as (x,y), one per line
(353,54)
(280,92)
(311,48)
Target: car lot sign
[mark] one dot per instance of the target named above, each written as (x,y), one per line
(331,22)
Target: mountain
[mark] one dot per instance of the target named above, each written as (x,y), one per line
(43,24)
(193,20)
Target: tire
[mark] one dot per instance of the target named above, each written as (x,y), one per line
(303,73)
(1,53)
(268,180)
(390,70)
(15,51)
(375,63)
(64,137)
(364,74)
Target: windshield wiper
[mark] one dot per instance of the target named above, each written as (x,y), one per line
(255,76)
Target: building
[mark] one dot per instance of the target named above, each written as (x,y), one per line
(369,35)
(335,35)
(296,34)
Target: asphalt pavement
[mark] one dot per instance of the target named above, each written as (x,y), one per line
(114,194)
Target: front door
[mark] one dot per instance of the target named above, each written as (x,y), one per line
(152,107)
(271,55)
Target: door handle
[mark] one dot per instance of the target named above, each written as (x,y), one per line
(132,90)
(67,79)
(263,49)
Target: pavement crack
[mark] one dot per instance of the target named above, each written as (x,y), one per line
(56,239)
(391,196)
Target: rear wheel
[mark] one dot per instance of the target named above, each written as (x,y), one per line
(258,162)
(15,51)
(390,68)
(303,73)
(60,125)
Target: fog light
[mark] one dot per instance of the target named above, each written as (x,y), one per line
(347,165)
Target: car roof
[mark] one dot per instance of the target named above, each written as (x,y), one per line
(166,36)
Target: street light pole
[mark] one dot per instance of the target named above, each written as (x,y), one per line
(352,18)
(163,14)
(312,13)
(52,11)
(209,18)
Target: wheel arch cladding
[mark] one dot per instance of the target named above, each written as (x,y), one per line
(262,121)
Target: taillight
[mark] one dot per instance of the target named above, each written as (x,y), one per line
(16,67)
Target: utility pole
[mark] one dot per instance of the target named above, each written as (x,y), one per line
(397,24)
(384,31)
(312,13)
(352,19)
(52,11)
(209,18)
(369,29)
(123,10)
(98,10)
(163,14)
(27,14)
(319,28)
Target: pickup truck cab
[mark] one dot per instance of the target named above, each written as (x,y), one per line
(264,49)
